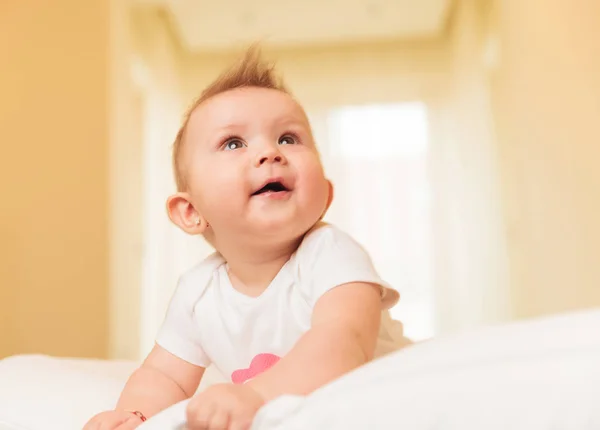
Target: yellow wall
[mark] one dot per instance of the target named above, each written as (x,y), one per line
(54,177)
(165,254)
(125,169)
(546,96)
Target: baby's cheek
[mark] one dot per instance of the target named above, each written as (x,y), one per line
(218,196)
(218,182)
(316,183)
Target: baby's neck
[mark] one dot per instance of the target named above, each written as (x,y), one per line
(252,270)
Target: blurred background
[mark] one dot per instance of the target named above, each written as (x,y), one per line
(462,137)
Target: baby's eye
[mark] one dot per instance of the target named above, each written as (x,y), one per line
(287,139)
(233,144)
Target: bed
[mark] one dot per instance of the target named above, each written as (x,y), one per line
(541,374)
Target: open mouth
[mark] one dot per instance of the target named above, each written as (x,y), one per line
(271,187)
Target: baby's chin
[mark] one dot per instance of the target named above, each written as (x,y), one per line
(282,227)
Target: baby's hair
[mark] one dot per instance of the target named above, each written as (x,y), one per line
(250,71)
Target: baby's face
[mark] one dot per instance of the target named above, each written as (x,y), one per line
(252,167)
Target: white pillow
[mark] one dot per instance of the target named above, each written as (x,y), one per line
(39,392)
(536,375)
(45,393)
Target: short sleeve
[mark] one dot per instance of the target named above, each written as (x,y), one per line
(329,257)
(179,334)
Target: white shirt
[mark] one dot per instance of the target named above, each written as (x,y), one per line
(210,322)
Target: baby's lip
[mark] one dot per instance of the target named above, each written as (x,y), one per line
(274,184)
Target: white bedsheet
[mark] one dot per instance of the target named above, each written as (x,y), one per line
(537,375)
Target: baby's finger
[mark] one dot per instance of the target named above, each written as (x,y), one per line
(112,423)
(91,425)
(99,421)
(130,424)
(219,420)
(240,424)
(198,417)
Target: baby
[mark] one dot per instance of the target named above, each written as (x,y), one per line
(287,303)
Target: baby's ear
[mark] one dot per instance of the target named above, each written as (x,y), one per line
(183,214)
(329,198)
(331,193)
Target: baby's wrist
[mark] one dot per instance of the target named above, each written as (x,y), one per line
(254,386)
(138,414)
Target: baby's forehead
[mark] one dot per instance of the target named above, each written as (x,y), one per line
(248,105)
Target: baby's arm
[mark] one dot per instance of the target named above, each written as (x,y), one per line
(343,336)
(162,380)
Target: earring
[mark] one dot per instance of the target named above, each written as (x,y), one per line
(198,222)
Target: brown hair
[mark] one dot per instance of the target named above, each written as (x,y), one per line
(250,71)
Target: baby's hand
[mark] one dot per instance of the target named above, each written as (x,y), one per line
(224,407)
(113,420)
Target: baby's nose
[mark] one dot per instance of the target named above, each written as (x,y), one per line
(270,155)
(269,158)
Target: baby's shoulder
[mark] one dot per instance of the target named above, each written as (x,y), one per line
(194,281)
(325,239)
(325,234)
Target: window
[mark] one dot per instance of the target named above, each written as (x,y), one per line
(377,158)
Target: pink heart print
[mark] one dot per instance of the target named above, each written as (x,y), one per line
(258,365)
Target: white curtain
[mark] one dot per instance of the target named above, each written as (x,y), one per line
(471,263)
(377,157)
